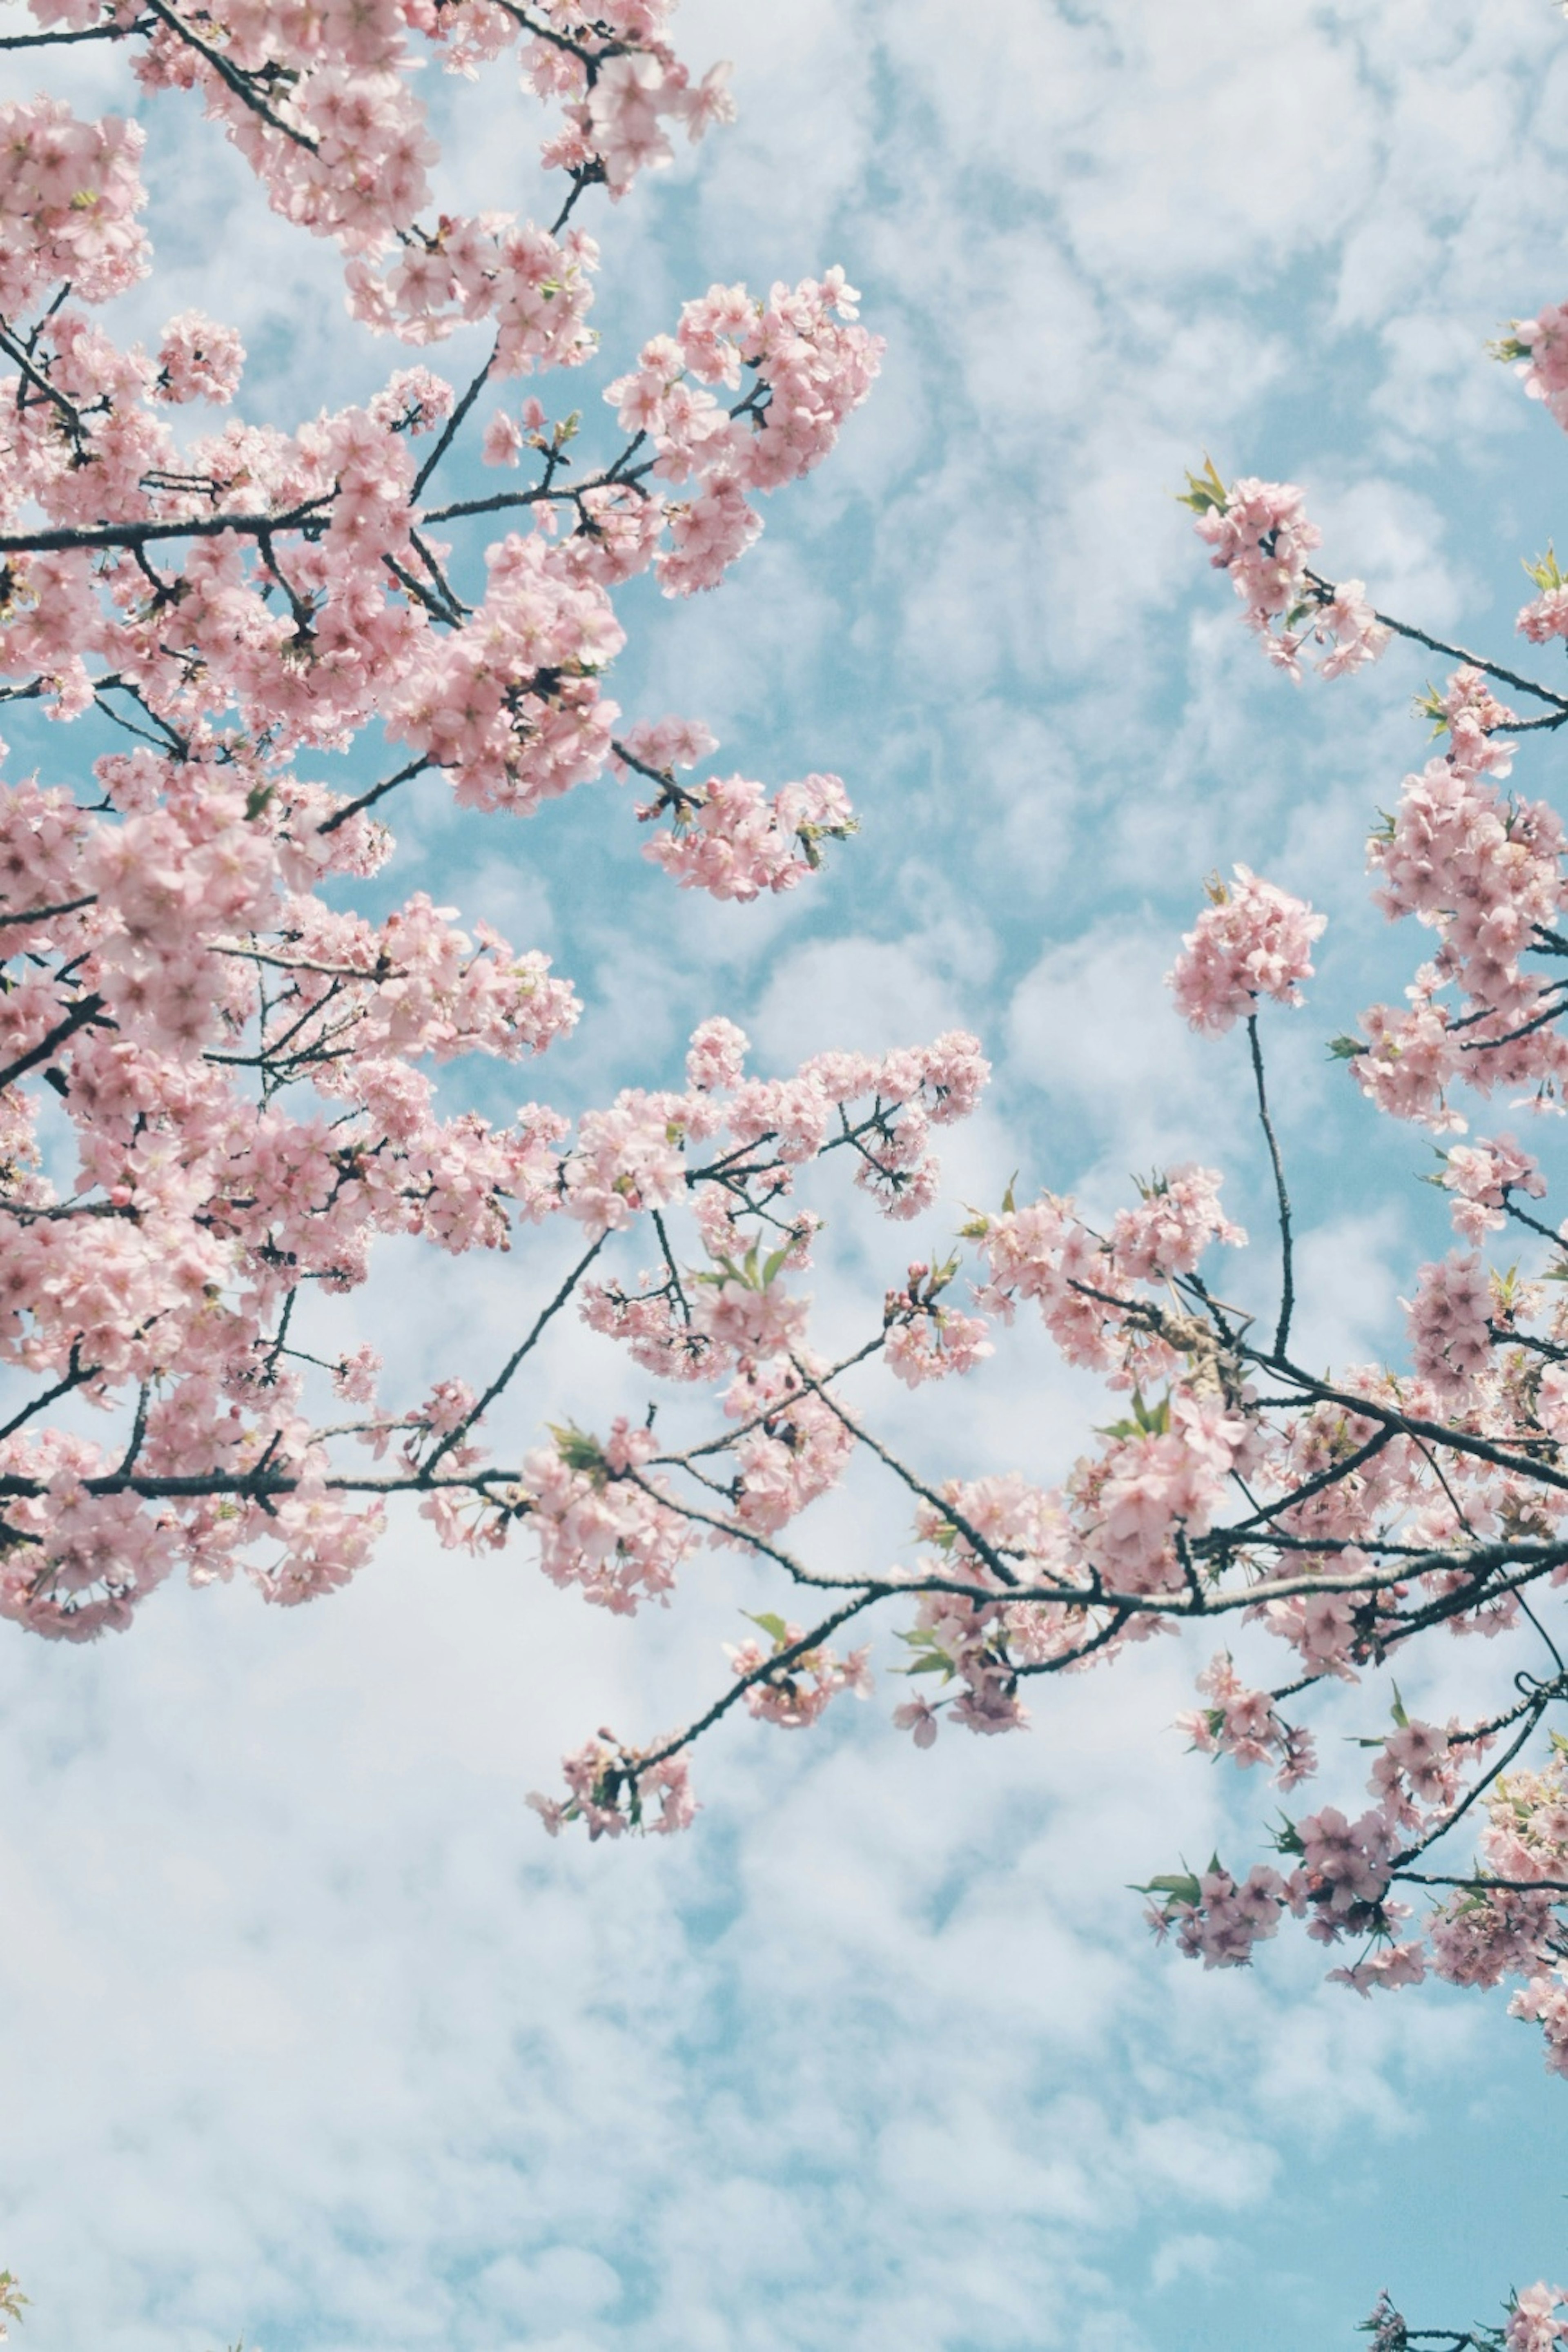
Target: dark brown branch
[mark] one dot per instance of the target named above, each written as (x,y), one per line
(1455,653)
(977,1543)
(84,538)
(545,1316)
(452,427)
(376,792)
(242,84)
(87,1010)
(1283,1198)
(58,40)
(780,1661)
(46,914)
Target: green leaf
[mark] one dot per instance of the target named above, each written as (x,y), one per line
(1148,1420)
(1545,574)
(577,1447)
(259,797)
(774,1627)
(772,1265)
(1204,491)
(1180,1886)
(1345,1048)
(1397,1710)
(1155,1418)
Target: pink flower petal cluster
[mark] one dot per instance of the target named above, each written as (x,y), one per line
(1386,1970)
(1134,1498)
(612,1793)
(600,1523)
(1177,1221)
(793,1447)
(1537,2319)
(1260,534)
(537,288)
(1244,1725)
(811,364)
(929,1343)
(1480,1176)
(69,194)
(1449,1324)
(1227,1918)
(1346,1862)
(796,1694)
(1485,875)
(1542,343)
(1252,940)
(198,360)
(510,702)
(632,98)
(730,839)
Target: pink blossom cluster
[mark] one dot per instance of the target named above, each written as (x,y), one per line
(727,836)
(322,106)
(926,1340)
(600,1523)
(198,360)
(69,194)
(510,701)
(1480,1176)
(1340,1887)
(1220,1920)
(239,1063)
(1133,1499)
(1540,347)
(1546,616)
(791,1446)
(536,287)
(1346,1864)
(1176,1220)
(730,839)
(611,1792)
(1479,1937)
(1245,1725)
(1485,873)
(1082,1281)
(621,127)
(1449,1323)
(1537,2319)
(1252,939)
(1419,1767)
(1260,535)
(811,364)
(797,1691)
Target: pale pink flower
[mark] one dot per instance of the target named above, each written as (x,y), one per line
(1252,940)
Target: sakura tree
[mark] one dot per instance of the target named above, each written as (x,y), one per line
(218,1081)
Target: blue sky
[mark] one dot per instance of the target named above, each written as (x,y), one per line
(311,2032)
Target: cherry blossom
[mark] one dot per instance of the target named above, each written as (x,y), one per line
(230,1066)
(1251,941)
